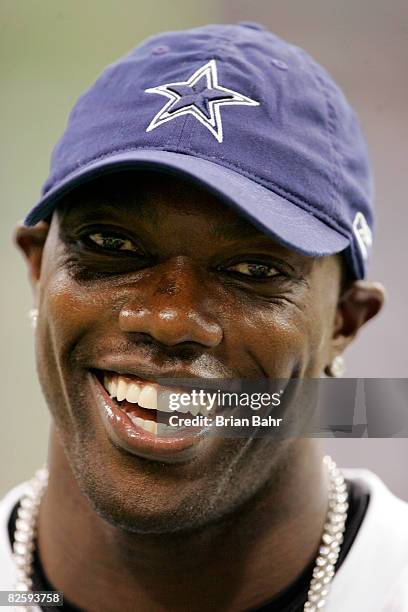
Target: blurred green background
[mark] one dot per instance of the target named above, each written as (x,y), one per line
(51,51)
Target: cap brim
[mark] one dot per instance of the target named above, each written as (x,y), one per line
(288,223)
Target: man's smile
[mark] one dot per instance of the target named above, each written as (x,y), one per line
(129,409)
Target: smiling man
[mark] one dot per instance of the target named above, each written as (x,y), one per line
(208,215)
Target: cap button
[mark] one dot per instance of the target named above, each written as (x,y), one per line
(253,25)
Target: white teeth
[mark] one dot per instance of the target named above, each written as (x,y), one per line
(135,419)
(133,393)
(148,397)
(163,400)
(150,426)
(183,409)
(194,409)
(110,385)
(113,387)
(121,390)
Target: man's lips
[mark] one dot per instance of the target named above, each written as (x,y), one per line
(135,425)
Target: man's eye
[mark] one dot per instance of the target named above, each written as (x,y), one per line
(111,242)
(254,270)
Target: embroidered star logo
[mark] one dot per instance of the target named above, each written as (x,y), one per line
(200,96)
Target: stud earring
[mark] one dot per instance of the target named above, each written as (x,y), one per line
(337,367)
(33,316)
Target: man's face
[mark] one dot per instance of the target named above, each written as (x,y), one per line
(149,276)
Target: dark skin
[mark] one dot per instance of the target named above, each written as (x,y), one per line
(176,290)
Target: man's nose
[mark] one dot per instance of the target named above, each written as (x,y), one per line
(172,306)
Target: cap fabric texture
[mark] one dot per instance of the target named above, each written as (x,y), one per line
(240,112)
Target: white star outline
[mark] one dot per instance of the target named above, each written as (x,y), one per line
(214,122)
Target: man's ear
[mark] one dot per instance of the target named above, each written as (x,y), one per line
(359,303)
(31,241)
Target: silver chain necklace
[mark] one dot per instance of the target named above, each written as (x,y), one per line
(332,538)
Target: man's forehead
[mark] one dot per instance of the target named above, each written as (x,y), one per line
(156,201)
(142,196)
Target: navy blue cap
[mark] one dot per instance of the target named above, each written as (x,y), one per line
(243,114)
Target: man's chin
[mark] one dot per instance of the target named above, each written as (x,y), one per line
(142,496)
(144,508)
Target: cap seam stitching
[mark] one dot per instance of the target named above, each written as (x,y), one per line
(335,153)
(329,129)
(182,130)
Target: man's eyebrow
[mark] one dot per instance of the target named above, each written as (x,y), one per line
(73,210)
